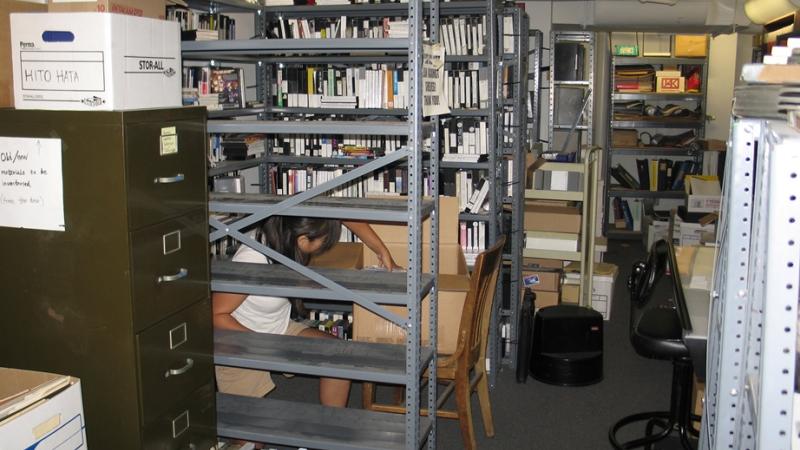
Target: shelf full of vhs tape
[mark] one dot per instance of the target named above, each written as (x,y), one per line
(354,83)
(653,137)
(404,141)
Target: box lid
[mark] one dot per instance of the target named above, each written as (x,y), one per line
(702,185)
(599,268)
(22,388)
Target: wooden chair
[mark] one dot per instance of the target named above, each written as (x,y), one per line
(470,356)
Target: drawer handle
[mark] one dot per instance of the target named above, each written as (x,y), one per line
(182,273)
(181,371)
(166,180)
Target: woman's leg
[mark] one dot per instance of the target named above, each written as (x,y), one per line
(332,391)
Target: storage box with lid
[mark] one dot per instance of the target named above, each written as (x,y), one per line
(154,9)
(40,410)
(605,275)
(691,45)
(95,61)
(703,193)
(6,73)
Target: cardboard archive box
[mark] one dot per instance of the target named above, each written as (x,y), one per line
(564,219)
(6,76)
(453,279)
(670,84)
(703,193)
(691,45)
(154,9)
(546,284)
(95,61)
(692,233)
(605,274)
(41,410)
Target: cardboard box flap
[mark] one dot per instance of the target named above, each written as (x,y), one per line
(599,268)
(453,283)
(703,185)
(394,233)
(22,388)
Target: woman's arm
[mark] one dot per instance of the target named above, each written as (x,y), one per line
(222,305)
(374,242)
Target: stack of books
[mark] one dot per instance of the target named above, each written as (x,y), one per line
(634,78)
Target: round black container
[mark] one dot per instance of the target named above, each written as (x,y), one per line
(567,346)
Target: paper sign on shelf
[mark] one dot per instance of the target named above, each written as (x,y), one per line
(434,96)
(31,184)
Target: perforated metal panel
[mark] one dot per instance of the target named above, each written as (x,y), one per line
(753,334)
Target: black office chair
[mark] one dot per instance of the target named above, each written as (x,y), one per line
(656,331)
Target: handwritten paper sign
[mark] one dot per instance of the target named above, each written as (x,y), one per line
(434,99)
(31,184)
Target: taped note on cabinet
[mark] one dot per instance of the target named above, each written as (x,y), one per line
(31,184)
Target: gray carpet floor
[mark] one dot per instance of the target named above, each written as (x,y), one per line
(539,416)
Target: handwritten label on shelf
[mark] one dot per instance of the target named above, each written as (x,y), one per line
(31,184)
(434,100)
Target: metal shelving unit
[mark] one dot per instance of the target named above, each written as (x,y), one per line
(251,418)
(752,346)
(578,124)
(651,125)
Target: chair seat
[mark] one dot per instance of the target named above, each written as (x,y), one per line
(659,334)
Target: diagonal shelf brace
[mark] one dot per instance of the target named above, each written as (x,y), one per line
(306,195)
(324,281)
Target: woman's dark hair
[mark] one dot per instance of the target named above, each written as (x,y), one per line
(281,233)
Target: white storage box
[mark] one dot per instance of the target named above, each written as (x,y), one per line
(703,193)
(41,410)
(95,61)
(692,233)
(602,286)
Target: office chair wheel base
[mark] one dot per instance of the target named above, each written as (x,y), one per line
(660,419)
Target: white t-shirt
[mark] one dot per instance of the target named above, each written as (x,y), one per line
(259,313)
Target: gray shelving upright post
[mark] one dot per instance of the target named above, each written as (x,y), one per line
(512,143)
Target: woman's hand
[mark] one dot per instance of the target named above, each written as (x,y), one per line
(386,260)
(374,242)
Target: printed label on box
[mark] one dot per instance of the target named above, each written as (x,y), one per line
(75,71)
(150,65)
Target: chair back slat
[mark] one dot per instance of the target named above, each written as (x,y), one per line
(474,328)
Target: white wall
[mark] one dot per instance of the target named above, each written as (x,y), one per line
(727,53)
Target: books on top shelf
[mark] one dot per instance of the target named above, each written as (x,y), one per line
(392,181)
(201,25)
(213,87)
(372,86)
(634,78)
(655,174)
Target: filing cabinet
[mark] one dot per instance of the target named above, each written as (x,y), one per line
(119,298)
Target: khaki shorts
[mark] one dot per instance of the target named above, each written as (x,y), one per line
(250,382)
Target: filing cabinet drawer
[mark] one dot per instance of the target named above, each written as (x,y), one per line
(175,359)
(170,267)
(166,168)
(188,425)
